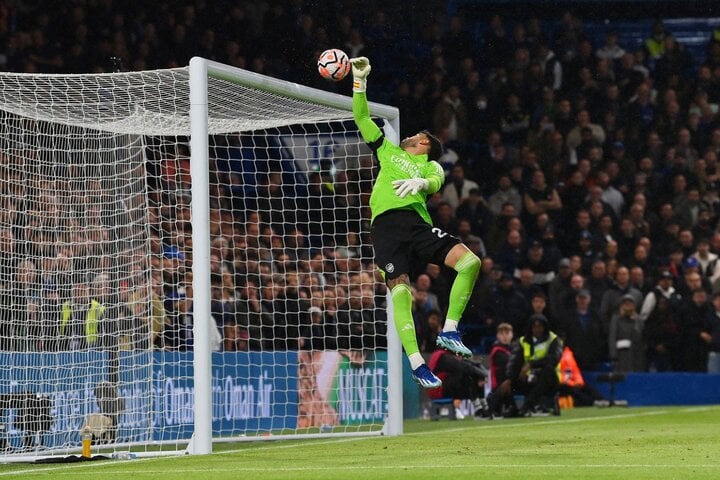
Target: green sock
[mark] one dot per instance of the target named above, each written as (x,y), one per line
(467,269)
(402,313)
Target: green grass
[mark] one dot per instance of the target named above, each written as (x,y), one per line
(588,443)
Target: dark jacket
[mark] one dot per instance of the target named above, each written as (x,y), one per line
(549,361)
(498,361)
(585,339)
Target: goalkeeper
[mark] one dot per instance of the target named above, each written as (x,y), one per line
(402,231)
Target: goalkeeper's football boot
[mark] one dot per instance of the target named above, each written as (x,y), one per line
(451,342)
(425,377)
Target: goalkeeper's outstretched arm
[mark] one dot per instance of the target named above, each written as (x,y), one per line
(361,112)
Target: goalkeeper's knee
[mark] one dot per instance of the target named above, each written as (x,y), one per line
(468,264)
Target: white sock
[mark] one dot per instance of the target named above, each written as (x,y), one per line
(450,325)
(416,360)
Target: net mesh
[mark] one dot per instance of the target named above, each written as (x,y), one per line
(96,279)
(139,102)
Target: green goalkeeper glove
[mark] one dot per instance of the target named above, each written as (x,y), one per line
(361,69)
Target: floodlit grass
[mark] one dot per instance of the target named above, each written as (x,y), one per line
(589,443)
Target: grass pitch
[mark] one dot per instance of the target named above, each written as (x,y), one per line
(587,443)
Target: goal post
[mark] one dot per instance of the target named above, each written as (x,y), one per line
(201,70)
(186,260)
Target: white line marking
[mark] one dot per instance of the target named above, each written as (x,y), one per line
(348,468)
(473,426)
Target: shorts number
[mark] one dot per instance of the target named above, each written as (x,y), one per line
(439,232)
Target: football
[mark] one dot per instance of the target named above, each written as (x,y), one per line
(333,64)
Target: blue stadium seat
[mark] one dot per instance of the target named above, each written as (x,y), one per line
(443,407)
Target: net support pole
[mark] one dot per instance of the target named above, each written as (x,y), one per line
(394,424)
(200,219)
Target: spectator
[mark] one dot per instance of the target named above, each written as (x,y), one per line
(450,113)
(506,305)
(514,120)
(525,284)
(541,198)
(449,156)
(551,66)
(427,331)
(662,337)
(625,339)
(474,209)
(559,291)
(574,136)
(611,50)
(249,316)
(533,366)
(423,283)
(320,331)
(663,289)
(638,280)
(461,378)
(82,322)
(538,306)
(610,195)
(710,335)
(581,331)
(695,310)
(509,256)
(497,374)
(543,273)
(616,295)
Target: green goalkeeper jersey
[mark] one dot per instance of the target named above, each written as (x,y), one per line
(395,164)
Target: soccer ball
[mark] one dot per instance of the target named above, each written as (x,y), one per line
(333,65)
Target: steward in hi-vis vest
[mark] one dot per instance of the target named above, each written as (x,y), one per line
(534,366)
(81,321)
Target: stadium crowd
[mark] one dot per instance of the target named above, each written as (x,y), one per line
(586,176)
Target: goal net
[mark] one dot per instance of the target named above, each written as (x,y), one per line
(186,259)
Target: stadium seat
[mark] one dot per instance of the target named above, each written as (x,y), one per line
(443,407)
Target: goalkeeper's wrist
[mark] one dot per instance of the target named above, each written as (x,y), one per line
(359,85)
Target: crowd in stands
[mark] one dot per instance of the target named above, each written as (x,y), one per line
(585,174)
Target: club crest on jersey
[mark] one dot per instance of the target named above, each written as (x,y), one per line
(389,268)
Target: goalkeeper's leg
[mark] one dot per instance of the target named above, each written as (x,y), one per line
(405,326)
(467,266)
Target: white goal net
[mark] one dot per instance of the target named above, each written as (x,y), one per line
(149,298)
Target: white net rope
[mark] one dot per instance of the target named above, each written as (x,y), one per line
(138,102)
(96,246)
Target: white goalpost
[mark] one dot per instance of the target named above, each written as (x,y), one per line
(186,260)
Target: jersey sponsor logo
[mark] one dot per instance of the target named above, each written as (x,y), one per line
(405,165)
(439,233)
(389,268)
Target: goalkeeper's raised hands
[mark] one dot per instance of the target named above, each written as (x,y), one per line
(360,69)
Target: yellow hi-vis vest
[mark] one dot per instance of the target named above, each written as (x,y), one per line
(655,48)
(96,310)
(540,351)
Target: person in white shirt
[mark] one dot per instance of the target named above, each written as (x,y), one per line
(506,193)
(458,188)
(663,288)
(709,261)
(611,50)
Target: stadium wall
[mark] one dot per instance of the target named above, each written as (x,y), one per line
(252,392)
(657,389)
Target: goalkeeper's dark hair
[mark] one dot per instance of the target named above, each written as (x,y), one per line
(435,151)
